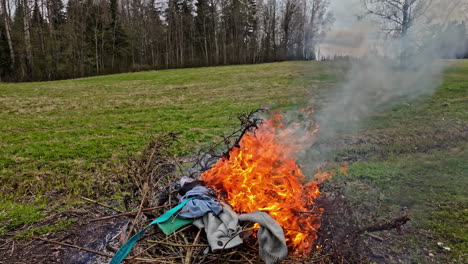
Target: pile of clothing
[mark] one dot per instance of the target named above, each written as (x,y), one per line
(199,206)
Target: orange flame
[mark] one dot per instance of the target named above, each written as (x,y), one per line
(262,175)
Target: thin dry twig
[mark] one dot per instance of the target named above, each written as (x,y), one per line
(158,260)
(188,256)
(395,223)
(12,248)
(74,246)
(175,244)
(248,124)
(6,243)
(375,237)
(129,213)
(154,245)
(247,259)
(101,204)
(145,192)
(222,250)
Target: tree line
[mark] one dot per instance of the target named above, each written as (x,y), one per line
(51,39)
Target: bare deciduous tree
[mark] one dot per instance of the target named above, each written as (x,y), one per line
(319,20)
(396,16)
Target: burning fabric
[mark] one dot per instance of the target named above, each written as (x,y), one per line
(200,207)
(256,187)
(221,224)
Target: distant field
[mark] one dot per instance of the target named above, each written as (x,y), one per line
(68,138)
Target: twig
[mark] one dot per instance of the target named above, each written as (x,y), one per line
(148,164)
(175,244)
(74,246)
(129,213)
(248,123)
(205,161)
(156,260)
(181,248)
(152,246)
(188,256)
(12,248)
(395,223)
(101,204)
(95,252)
(375,237)
(248,260)
(232,237)
(143,199)
(6,243)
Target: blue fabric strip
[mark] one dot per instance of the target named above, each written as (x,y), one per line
(127,247)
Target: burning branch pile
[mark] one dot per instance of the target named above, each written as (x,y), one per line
(250,202)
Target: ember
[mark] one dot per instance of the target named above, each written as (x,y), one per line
(262,174)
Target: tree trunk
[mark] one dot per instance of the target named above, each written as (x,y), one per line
(96,49)
(404,30)
(27,40)
(6,18)
(310,36)
(273,26)
(406,18)
(215,33)
(207,61)
(113,45)
(304,32)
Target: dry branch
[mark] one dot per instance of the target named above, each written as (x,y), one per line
(74,246)
(375,237)
(188,256)
(101,204)
(152,246)
(177,245)
(395,223)
(157,260)
(129,213)
(145,193)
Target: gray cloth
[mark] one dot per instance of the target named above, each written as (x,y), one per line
(222,230)
(201,205)
(185,180)
(271,241)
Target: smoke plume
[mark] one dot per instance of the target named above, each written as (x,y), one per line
(380,77)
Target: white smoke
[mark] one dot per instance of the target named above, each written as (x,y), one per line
(376,79)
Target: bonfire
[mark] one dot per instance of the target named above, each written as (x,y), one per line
(262,174)
(257,175)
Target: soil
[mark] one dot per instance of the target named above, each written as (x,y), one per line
(339,239)
(97,235)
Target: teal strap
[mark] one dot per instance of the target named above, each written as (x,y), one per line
(127,247)
(174,223)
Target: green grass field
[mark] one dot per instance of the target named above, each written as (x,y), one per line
(67,138)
